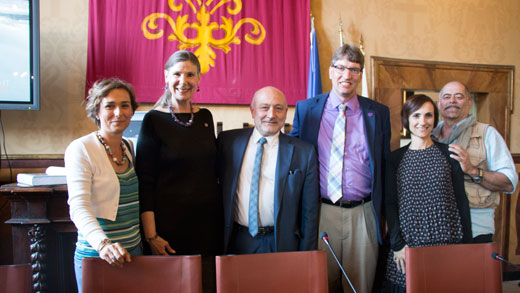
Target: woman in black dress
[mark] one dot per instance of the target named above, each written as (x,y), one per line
(425,200)
(176,150)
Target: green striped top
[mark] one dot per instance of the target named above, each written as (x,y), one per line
(125,228)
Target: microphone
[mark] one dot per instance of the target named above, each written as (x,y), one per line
(325,238)
(497,256)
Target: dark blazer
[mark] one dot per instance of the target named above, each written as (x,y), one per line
(296,201)
(306,125)
(391,202)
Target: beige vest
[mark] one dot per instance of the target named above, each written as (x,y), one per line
(472,139)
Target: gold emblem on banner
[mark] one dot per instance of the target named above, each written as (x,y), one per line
(204,41)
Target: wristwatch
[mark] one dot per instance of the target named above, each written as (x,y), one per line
(478,178)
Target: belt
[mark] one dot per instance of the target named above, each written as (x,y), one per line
(261,230)
(348,204)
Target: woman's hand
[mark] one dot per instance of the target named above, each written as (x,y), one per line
(399,257)
(160,246)
(115,254)
(157,244)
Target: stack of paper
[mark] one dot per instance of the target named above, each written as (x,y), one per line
(52,176)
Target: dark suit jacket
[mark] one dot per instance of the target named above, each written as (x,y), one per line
(296,201)
(306,125)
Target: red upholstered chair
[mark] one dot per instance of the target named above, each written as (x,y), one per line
(453,268)
(300,272)
(15,278)
(144,274)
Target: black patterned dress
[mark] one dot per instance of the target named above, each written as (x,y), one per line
(426,204)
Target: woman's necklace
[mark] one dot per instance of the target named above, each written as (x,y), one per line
(185,124)
(109,150)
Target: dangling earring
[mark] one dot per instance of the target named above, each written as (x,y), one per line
(198,89)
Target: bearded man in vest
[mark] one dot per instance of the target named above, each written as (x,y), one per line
(483,155)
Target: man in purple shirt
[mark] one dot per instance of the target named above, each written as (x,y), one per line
(351,183)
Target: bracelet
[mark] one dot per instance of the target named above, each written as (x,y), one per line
(152,238)
(104,243)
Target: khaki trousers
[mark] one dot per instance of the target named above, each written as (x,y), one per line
(353,236)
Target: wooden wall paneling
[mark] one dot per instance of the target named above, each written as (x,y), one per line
(513,222)
(390,76)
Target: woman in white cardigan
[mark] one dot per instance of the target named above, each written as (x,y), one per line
(102,184)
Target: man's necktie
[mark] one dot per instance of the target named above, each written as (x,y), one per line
(336,156)
(253,194)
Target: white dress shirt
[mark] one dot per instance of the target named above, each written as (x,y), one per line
(266,185)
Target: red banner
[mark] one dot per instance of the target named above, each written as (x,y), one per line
(242,45)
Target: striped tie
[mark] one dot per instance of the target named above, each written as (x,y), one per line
(336,157)
(253,194)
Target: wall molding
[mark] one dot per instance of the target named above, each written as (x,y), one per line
(30,162)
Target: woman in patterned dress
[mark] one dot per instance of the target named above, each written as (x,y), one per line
(425,201)
(101,181)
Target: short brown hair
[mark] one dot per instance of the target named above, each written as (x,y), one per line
(101,89)
(413,104)
(352,53)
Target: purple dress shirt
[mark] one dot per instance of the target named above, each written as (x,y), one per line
(356,179)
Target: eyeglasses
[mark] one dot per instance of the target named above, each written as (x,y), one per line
(342,69)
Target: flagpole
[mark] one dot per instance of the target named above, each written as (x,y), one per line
(312,32)
(361,47)
(340,30)
(314,83)
(364,81)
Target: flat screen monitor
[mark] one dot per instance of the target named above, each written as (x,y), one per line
(132,132)
(19,55)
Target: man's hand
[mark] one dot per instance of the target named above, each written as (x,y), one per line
(494,181)
(461,155)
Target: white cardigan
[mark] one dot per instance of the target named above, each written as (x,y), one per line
(93,186)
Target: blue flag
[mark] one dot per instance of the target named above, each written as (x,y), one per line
(314,85)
